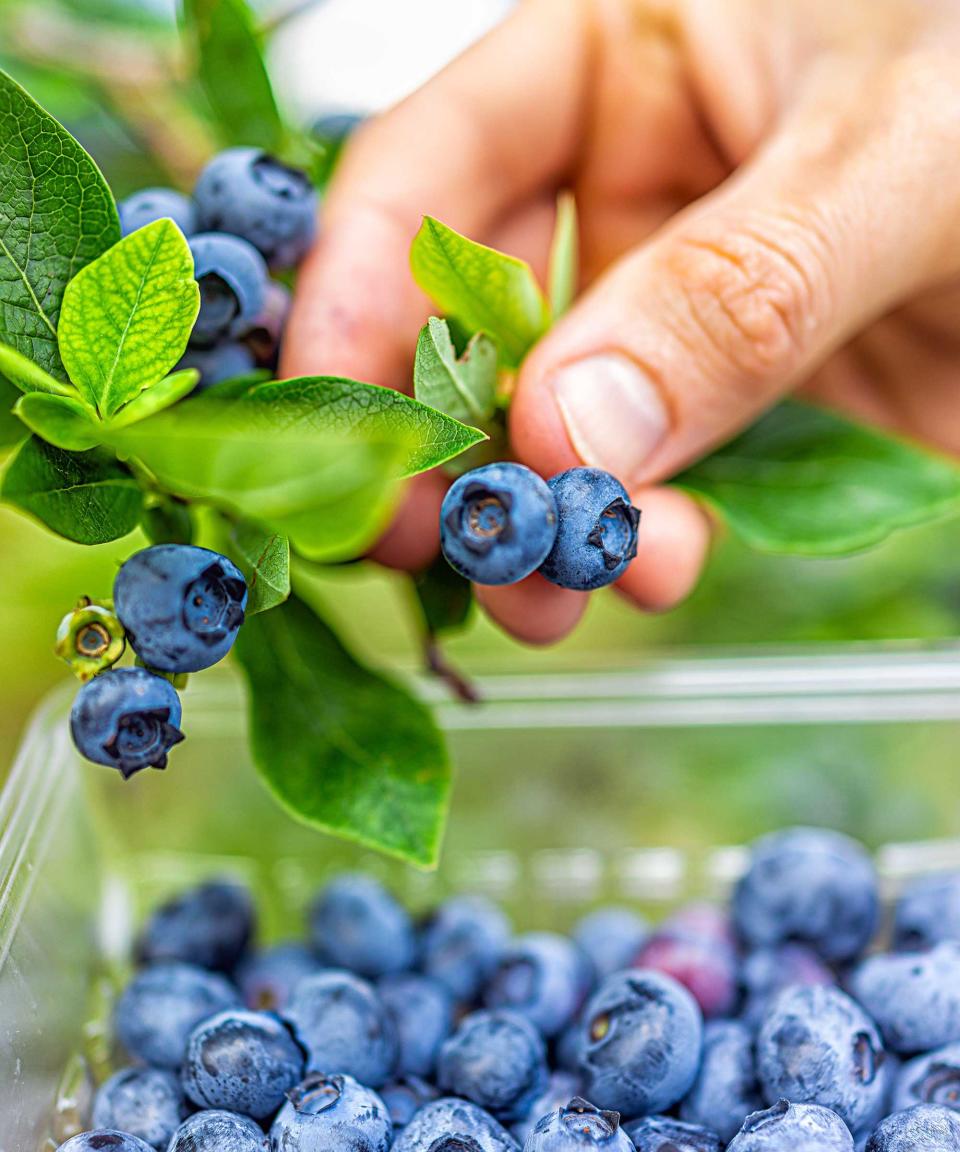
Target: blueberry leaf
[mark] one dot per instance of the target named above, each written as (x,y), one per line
(88,497)
(127,317)
(341,748)
(28,376)
(465,387)
(482,289)
(255,455)
(12,430)
(444,596)
(264,559)
(564,264)
(63,421)
(807,481)
(229,63)
(164,393)
(56,215)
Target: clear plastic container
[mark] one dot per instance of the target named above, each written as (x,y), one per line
(640,784)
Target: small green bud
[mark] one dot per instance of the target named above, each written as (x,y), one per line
(90,638)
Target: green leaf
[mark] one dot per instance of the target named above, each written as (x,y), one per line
(463,388)
(807,481)
(86,497)
(484,290)
(30,377)
(61,420)
(56,215)
(253,455)
(232,71)
(444,596)
(127,316)
(12,430)
(168,521)
(153,400)
(341,748)
(564,256)
(264,559)
(340,407)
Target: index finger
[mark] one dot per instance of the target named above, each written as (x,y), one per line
(488,132)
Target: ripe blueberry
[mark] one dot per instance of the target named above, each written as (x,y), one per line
(233,287)
(267,979)
(597,530)
(104,1140)
(787,1127)
(404,1097)
(356,923)
(933,1078)
(126,718)
(218,1131)
(544,976)
(210,926)
(726,1088)
(251,194)
(922,1128)
(578,1126)
(151,204)
(330,1113)
(422,1010)
(182,606)
(453,1125)
(611,938)
(663,1134)
(928,912)
(224,361)
(461,944)
(146,1102)
(497,523)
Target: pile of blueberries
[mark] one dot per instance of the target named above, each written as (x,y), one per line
(502,522)
(767,1027)
(179,607)
(250,215)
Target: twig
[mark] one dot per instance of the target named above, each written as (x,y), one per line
(439,666)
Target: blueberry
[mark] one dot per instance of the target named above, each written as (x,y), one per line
(933,1078)
(151,204)
(817,1046)
(810,885)
(344,1027)
(914,998)
(578,1125)
(355,923)
(404,1097)
(218,1131)
(928,913)
(923,1128)
(126,718)
(242,1061)
(267,979)
(597,530)
(422,1010)
(336,126)
(662,1134)
(567,1046)
(146,1102)
(332,1113)
(224,361)
(561,1088)
(496,1059)
(767,971)
(726,1087)
(497,523)
(162,1005)
(265,335)
(209,926)
(610,938)
(452,1125)
(544,976)
(233,287)
(182,606)
(787,1127)
(696,946)
(462,942)
(251,194)
(642,1039)
(104,1140)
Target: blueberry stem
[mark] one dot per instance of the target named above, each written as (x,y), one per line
(438,665)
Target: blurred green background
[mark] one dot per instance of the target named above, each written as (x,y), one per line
(111,71)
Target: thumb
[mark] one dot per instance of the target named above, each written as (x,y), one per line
(689,336)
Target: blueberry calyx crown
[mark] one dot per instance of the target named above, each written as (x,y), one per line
(318,1092)
(580,1107)
(457,1143)
(90,638)
(484,517)
(628,518)
(213,604)
(142,740)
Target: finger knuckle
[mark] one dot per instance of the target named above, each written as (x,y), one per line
(747,296)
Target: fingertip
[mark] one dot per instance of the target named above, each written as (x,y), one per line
(533,611)
(674,544)
(412,542)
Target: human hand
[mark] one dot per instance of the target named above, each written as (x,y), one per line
(769,198)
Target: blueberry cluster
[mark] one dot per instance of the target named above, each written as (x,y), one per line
(764,1027)
(500,523)
(179,608)
(250,215)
